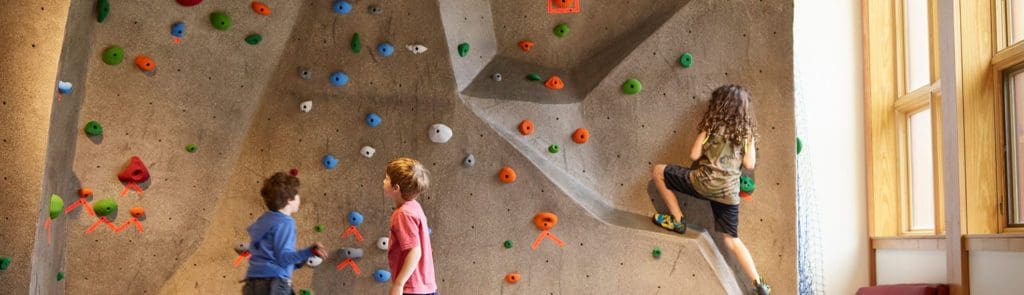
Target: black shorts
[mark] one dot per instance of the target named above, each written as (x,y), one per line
(726,216)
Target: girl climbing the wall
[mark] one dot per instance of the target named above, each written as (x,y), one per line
(726,141)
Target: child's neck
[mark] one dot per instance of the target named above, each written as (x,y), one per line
(399,201)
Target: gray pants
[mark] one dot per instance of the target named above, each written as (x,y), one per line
(267,286)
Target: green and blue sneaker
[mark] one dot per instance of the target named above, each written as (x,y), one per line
(667,222)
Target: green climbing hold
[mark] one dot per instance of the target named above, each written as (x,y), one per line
(533,77)
(561,30)
(56,206)
(319,228)
(60,276)
(508,244)
(220,20)
(686,60)
(554,148)
(253,39)
(463,49)
(799,145)
(656,252)
(191,148)
(746,184)
(632,86)
(305,292)
(113,55)
(104,207)
(357,45)
(93,128)
(102,10)
(5,262)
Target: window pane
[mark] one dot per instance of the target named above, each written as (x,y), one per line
(915,20)
(922,190)
(1016,199)
(1015,21)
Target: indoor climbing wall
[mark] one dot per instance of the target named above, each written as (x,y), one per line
(185,106)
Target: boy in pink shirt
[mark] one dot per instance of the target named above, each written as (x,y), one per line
(409,255)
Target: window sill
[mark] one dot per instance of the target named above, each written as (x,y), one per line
(916,242)
(1007,242)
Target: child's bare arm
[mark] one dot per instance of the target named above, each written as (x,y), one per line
(698,146)
(749,154)
(412,259)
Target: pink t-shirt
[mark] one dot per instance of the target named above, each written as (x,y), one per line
(409,229)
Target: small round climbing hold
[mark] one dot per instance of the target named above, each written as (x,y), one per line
(513,277)
(381,275)
(191,148)
(507,244)
(656,252)
(339,78)
(632,86)
(253,39)
(294,172)
(354,218)
(526,127)
(102,10)
(373,119)
(306,106)
(367,151)
(545,220)
(747,184)
(60,276)
(113,55)
(507,175)
(385,49)
(314,261)
(554,148)
(220,20)
(56,206)
(533,77)
(260,8)
(463,49)
(137,211)
(5,262)
(305,73)
(563,4)
(64,87)
(440,133)
(469,161)
(305,292)
(416,48)
(561,30)
(686,60)
(145,63)
(581,136)
(382,243)
(799,145)
(356,44)
(104,207)
(496,77)
(342,7)
(84,193)
(374,9)
(526,45)
(319,228)
(178,29)
(93,128)
(188,3)
(330,162)
(554,83)
(241,248)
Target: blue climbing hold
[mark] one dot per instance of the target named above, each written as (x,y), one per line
(178,29)
(342,7)
(355,218)
(373,120)
(385,49)
(382,275)
(63,87)
(339,78)
(330,162)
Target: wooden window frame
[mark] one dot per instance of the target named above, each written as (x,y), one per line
(1007,58)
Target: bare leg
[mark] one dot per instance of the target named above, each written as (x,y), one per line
(742,254)
(658,175)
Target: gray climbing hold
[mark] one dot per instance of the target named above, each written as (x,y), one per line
(353,253)
(469,161)
(496,77)
(440,133)
(241,248)
(305,73)
(382,243)
(314,261)
(374,9)
(367,151)
(306,106)
(416,48)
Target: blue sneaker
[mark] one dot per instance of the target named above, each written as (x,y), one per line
(667,222)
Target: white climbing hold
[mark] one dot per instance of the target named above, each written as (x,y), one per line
(416,49)
(367,151)
(440,133)
(241,247)
(469,161)
(382,243)
(496,77)
(306,106)
(314,261)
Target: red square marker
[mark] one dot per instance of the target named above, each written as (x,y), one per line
(563,6)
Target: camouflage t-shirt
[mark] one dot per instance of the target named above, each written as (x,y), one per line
(716,174)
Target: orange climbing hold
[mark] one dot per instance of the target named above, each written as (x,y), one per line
(563,6)
(513,277)
(545,220)
(526,45)
(554,83)
(83,195)
(526,127)
(563,3)
(507,175)
(260,8)
(137,212)
(581,136)
(145,63)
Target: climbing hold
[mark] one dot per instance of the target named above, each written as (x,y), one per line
(357,46)
(381,275)
(686,60)
(178,30)
(469,161)
(496,77)
(799,145)
(374,9)
(64,87)
(188,3)
(416,49)
(632,86)
(306,106)
(513,277)
(342,7)
(102,10)
(137,211)
(564,4)
(561,30)
(545,220)
(507,175)
(533,77)
(60,276)
(305,73)
(56,206)
(330,162)
(367,151)
(260,8)
(508,244)
(294,172)
(241,248)
(339,78)
(253,39)
(526,45)
(5,262)
(554,83)
(319,228)
(746,184)
(93,128)
(554,148)
(581,136)
(656,252)
(135,171)
(382,243)
(190,148)
(526,127)
(354,218)
(463,49)
(352,253)
(104,207)
(314,261)
(220,20)
(145,63)
(113,55)
(373,119)
(385,49)
(440,133)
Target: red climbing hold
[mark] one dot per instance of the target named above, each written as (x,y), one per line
(507,175)
(294,172)
(260,8)
(554,83)
(145,63)
(526,127)
(581,136)
(133,174)
(526,45)
(188,3)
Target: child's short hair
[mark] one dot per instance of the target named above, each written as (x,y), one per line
(279,189)
(410,176)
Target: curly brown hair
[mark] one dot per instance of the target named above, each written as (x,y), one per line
(279,189)
(730,114)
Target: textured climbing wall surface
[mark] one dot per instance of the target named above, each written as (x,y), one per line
(240,105)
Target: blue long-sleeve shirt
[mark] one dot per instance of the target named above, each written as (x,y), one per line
(273,247)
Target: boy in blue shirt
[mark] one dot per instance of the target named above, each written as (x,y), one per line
(273,240)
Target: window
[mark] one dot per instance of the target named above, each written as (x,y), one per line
(916,50)
(1015,21)
(1014,89)
(922,190)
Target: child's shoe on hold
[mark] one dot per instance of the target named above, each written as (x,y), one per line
(762,288)
(667,222)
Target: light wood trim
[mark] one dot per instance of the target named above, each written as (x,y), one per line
(1001,16)
(1009,57)
(940,196)
(881,90)
(981,118)
(915,100)
(929,242)
(998,242)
